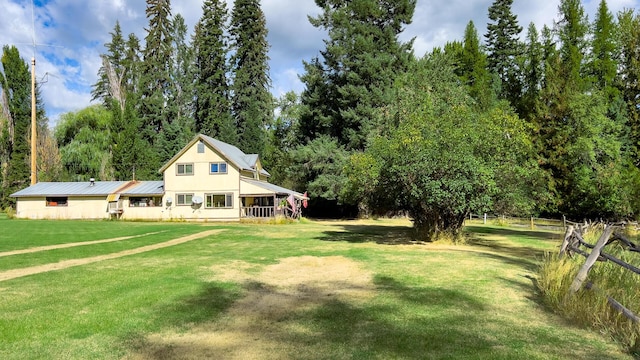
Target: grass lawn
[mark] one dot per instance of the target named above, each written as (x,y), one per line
(313,290)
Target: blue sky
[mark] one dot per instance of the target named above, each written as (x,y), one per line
(72,34)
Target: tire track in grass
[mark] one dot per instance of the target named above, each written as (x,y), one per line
(68,245)
(16,273)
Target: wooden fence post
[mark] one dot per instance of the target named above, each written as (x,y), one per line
(565,242)
(485,219)
(595,253)
(532,226)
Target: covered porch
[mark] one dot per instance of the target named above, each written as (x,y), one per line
(260,199)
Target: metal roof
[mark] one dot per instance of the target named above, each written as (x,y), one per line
(146,188)
(85,188)
(272,187)
(234,155)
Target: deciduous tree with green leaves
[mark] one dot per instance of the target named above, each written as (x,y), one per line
(15,80)
(445,159)
(85,143)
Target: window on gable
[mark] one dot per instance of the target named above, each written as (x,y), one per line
(57,201)
(184,169)
(200,147)
(218,201)
(184,199)
(218,168)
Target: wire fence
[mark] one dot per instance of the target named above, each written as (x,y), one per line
(530,223)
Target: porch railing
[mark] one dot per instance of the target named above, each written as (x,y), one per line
(258,211)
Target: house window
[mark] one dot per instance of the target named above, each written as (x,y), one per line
(184,199)
(57,201)
(185,169)
(145,201)
(219,201)
(200,147)
(218,168)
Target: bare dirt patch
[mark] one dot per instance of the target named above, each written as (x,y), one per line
(259,325)
(16,273)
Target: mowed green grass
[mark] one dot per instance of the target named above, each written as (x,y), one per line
(476,301)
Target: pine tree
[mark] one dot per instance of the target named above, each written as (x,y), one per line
(603,66)
(362,58)
(629,77)
(212,104)
(132,64)
(131,152)
(504,48)
(473,68)
(533,74)
(157,55)
(155,80)
(178,126)
(572,29)
(251,101)
(112,66)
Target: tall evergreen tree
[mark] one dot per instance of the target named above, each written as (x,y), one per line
(178,126)
(212,104)
(131,153)
(472,68)
(629,67)
(112,65)
(504,48)
(157,56)
(572,30)
(603,66)
(132,63)
(362,58)
(155,78)
(251,101)
(533,74)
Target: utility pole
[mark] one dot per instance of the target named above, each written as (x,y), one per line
(34,171)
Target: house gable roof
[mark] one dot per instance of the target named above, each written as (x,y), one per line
(234,155)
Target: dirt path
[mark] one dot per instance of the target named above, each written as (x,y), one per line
(16,273)
(261,324)
(68,245)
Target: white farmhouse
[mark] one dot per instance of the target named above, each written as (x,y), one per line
(207,180)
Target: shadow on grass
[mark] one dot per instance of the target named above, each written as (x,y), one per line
(213,300)
(311,322)
(517,254)
(206,306)
(387,235)
(533,234)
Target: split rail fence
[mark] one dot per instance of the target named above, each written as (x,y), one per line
(574,243)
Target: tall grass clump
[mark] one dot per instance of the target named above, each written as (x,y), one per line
(590,305)
(10,212)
